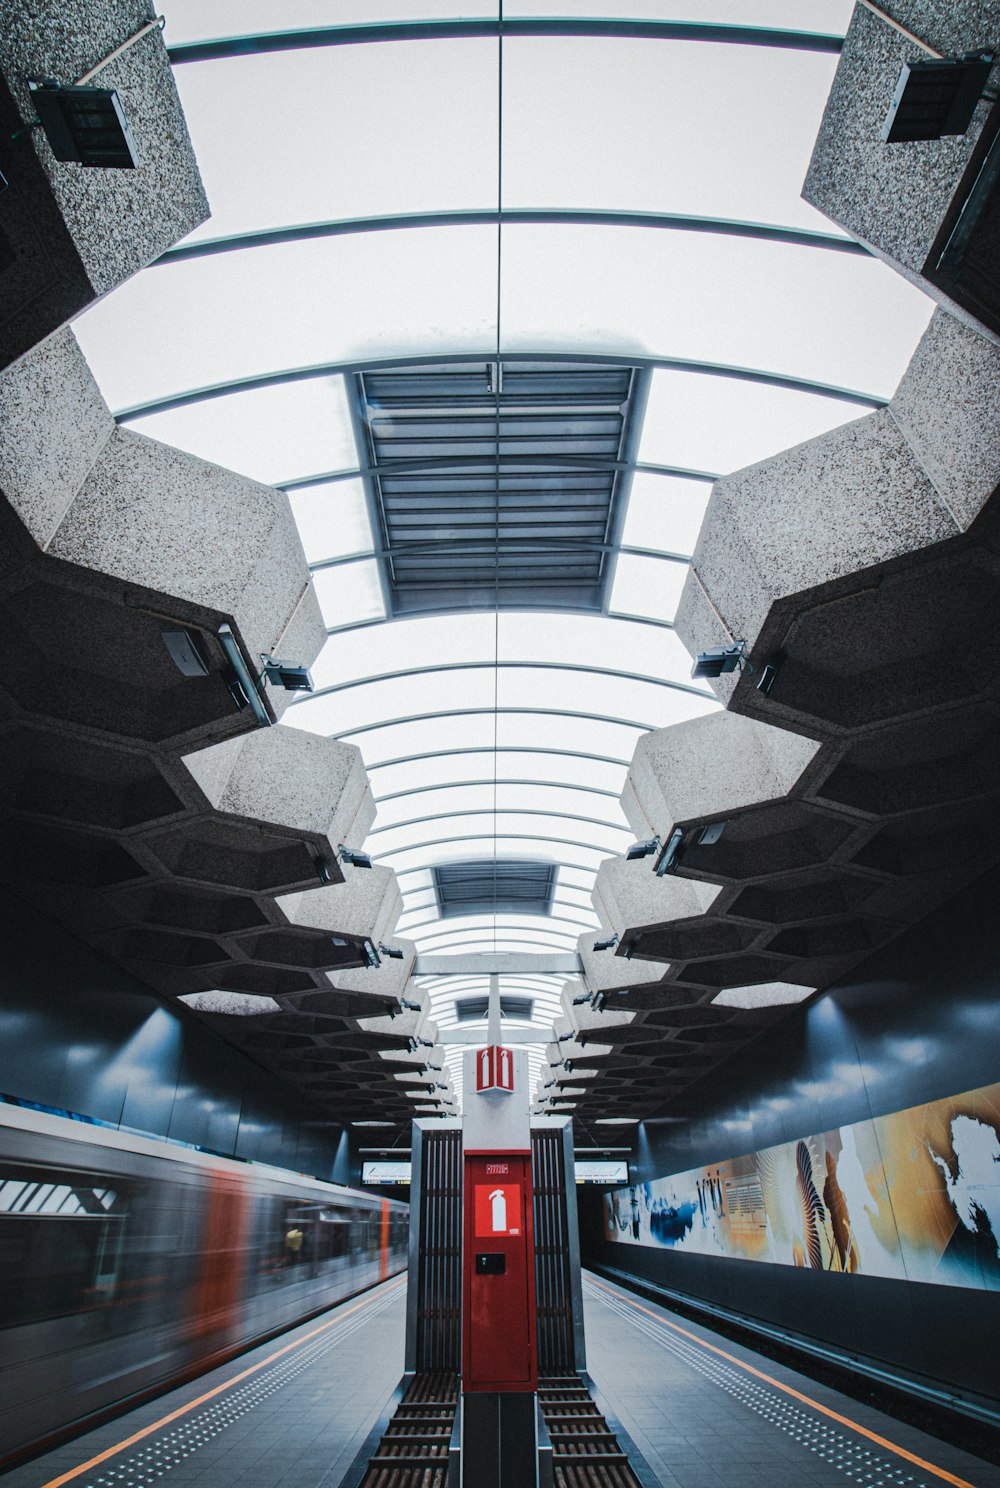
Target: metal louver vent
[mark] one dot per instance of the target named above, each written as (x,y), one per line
(474,1009)
(498,482)
(501,886)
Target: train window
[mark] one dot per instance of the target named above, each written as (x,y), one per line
(312,1234)
(62,1235)
(297,1237)
(332,1235)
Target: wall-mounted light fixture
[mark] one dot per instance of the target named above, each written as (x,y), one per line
(672,853)
(243,688)
(936,98)
(769,672)
(84,126)
(606,945)
(292,676)
(642,849)
(185,653)
(353,857)
(681,839)
(721,659)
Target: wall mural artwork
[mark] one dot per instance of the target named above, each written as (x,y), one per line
(914,1195)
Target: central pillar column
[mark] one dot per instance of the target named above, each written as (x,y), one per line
(499,1328)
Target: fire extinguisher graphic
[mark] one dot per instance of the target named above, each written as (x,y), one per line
(498,1216)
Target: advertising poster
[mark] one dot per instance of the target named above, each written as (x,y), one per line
(914,1196)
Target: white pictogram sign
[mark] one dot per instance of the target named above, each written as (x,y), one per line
(498,1217)
(495,1069)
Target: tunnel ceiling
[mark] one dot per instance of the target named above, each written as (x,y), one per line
(494,303)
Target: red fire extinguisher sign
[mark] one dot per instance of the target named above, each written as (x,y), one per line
(498,1209)
(495,1069)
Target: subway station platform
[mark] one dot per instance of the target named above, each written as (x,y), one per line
(693,1409)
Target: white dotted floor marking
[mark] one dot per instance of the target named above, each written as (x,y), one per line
(852,1458)
(168,1450)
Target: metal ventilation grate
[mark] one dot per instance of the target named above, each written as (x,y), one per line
(494,886)
(475,1009)
(498,482)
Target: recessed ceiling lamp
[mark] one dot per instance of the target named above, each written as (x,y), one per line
(763,995)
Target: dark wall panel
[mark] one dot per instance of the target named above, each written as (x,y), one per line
(79,1034)
(916,1023)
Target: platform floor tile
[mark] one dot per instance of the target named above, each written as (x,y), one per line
(708,1413)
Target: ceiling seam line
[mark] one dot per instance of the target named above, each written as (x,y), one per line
(586,466)
(419,790)
(438,668)
(408,759)
(526,608)
(189,396)
(249,44)
(631,723)
(303,232)
(320,564)
(416,821)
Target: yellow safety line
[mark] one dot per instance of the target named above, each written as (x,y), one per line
(825,1410)
(183,1410)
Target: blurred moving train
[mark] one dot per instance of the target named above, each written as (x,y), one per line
(127,1264)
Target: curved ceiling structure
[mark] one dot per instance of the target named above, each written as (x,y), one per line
(495,298)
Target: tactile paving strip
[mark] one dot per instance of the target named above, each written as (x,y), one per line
(849,1456)
(170,1448)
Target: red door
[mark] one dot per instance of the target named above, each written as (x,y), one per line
(498,1336)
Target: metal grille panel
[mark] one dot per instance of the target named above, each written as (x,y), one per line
(473,1009)
(553,1289)
(494,886)
(439,1301)
(497,483)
